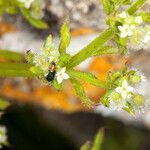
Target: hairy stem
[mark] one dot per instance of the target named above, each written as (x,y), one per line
(135,6)
(11,55)
(14,66)
(90,48)
(16,73)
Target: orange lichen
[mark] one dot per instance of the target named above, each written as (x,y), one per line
(83,31)
(6,27)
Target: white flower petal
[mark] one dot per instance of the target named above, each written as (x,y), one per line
(59,79)
(139,19)
(123,15)
(121,28)
(124,83)
(66,76)
(143,78)
(129,89)
(123,35)
(118,89)
(124,94)
(132,27)
(63,70)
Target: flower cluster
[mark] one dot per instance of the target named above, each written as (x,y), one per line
(132,28)
(129,24)
(122,94)
(35,6)
(3,136)
(43,61)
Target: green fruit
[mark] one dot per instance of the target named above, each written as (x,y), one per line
(116,96)
(138,99)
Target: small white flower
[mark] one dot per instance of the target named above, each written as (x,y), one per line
(124,90)
(139,19)
(61,75)
(27,3)
(146,38)
(126,30)
(123,15)
(143,78)
(117,105)
(3,136)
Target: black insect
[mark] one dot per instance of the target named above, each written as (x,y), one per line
(52,72)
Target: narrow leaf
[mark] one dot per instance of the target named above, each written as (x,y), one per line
(135,6)
(63,59)
(11,55)
(16,73)
(98,140)
(105,50)
(35,22)
(65,38)
(80,92)
(145,16)
(88,77)
(87,52)
(48,45)
(14,66)
(106,6)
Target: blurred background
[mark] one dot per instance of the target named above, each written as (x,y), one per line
(42,118)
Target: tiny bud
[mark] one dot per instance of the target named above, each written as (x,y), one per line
(138,99)
(135,79)
(116,96)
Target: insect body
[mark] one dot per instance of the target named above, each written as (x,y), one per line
(52,72)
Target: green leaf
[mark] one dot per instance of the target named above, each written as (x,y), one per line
(36,70)
(3,104)
(123,41)
(105,50)
(35,22)
(16,73)
(97,145)
(15,56)
(65,37)
(87,52)
(88,77)
(56,85)
(14,66)
(48,45)
(80,92)
(106,6)
(126,2)
(135,6)
(145,16)
(85,146)
(63,59)
(12,10)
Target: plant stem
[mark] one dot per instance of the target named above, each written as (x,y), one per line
(88,77)
(11,55)
(90,48)
(15,70)
(16,73)
(135,6)
(14,66)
